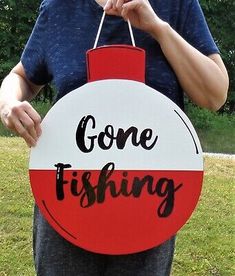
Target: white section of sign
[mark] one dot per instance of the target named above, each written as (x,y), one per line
(122,104)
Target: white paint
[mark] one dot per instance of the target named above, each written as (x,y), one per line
(122,103)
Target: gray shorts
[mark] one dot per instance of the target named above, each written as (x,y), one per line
(54,256)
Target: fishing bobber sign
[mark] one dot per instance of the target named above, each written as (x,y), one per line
(118,168)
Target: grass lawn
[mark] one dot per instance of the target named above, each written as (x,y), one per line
(205,245)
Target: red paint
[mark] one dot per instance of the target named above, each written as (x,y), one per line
(116,62)
(120,225)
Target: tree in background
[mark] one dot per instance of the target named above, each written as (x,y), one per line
(17,19)
(220,15)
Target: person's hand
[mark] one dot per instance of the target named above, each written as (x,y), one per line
(139,12)
(22,118)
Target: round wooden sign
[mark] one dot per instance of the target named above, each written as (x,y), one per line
(118,168)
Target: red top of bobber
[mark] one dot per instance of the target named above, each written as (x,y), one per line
(116,62)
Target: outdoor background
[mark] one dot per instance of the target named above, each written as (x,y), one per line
(205,245)
(16,22)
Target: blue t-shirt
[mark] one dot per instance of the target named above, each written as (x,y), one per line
(65,30)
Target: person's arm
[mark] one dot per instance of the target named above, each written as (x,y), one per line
(203,78)
(15,111)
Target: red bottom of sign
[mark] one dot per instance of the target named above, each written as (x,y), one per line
(116,212)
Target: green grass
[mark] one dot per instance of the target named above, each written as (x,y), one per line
(205,245)
(216,131)
(15,209)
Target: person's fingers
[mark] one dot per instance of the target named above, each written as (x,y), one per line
(38,129)
(120,3)
(131,5)
(122,7)
(129,10)
(22,131)
(30,116)
(25,121)
(109,5)
(29,125)
(35,117)
(115,5)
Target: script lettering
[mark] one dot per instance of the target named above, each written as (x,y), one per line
(106,139)
(90,194)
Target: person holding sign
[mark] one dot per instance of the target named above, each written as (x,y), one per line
(181,56)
